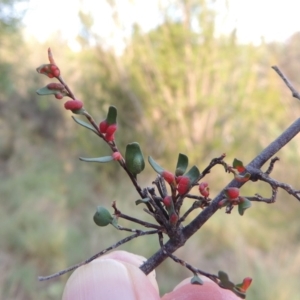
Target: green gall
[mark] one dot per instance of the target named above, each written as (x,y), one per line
(102,217)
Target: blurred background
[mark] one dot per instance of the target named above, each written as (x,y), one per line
(186,76)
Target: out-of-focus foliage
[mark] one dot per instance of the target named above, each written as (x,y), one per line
(178,88)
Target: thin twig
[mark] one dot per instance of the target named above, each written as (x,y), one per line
(126,217)
(295,93)
(271,166)
(119,243)
(184,263)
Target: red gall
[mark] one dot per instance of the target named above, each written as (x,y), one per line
(109,137)
(168,177)
(73,105)
(103,126)
(173,218)
(183,185)
(117,156)
(204,189)
(167,201)
(232,193)
(111,129)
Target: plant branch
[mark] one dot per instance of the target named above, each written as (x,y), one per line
(295,93)
(203,216)
(119,243)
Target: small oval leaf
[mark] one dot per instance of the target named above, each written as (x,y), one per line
(111,115)
(196,280)
(246,203)
(45,91)
(139,201)
(103,159)
(157,168)
(134,158)
(193,174)
(182,164)
(85,124)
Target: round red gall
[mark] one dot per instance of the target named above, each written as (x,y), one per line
(59,96)
(111,129)
(109,137)
(103,126)
(183,185)
(73,105)
(117,156)
(232,193)
(55,70)
(173,218)
(168,177)
(167,201)
(204,189)
(55,86)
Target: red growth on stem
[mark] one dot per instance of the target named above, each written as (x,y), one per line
(103,126)
(111,129)
(173,218)
(117,156)
(167,201)
(246,283)
(232,193)
(109,137)
(183,185)
(204,189)
(73,105)
(168,177)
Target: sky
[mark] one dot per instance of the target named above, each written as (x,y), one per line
(274,20)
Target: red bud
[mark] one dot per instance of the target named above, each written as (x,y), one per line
(103,126)
(49,70)
(111,129)
(109,137)
(246,283)
(59,96)
(232,193)
(168,177)
(167,201)
(73,105)
(183,185)
(55,86)
(117,156)
(204,189)
(173,218)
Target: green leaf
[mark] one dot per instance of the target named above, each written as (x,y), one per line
(111,115)
(102,217)
(182,164)
(157,168)
(134,158)
(244,205)
(78,111)
(45,91)
(237,164)
(102,159)
(223,276)
(85,124)
(242,178)
(193,174)
(139,201)
(196,280)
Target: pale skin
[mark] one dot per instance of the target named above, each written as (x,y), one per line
(117,276)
